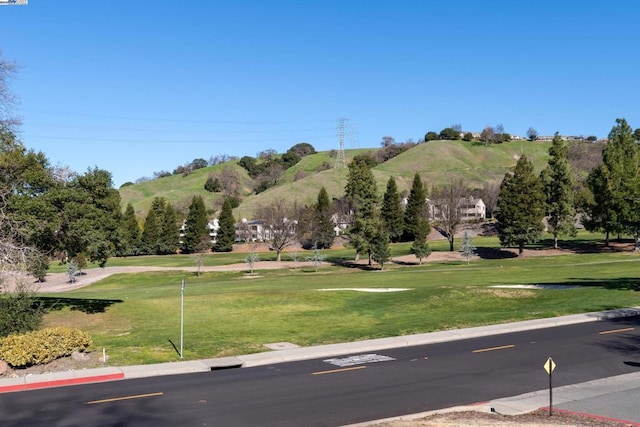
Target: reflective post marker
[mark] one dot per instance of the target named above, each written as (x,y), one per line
(549,366)
(182,317)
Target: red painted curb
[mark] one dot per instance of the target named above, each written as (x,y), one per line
(598,417)
(61,383)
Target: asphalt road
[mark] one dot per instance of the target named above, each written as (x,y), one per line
(346,389)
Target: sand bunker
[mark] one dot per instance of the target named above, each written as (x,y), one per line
(538,286)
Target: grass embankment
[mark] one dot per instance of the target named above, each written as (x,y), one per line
(137,316)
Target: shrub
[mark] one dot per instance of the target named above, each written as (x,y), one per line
(42,346)
(20,310)
(213,184)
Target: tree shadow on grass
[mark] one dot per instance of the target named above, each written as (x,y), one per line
(618,284)
(354,264)
(494,253)
(86,305)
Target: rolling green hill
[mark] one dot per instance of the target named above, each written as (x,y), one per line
(436,161)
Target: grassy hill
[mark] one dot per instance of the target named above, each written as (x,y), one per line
(436,161)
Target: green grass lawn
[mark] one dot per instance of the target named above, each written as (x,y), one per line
(136,317)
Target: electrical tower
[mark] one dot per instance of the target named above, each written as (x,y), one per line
(341,162)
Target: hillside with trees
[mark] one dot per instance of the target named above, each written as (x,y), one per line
(436,161)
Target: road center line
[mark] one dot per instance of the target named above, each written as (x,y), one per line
(613,331)
(115,399)
(333,371)
(502,347)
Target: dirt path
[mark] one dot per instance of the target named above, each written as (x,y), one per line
(59,282)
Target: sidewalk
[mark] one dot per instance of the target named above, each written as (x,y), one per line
(567,396)
(613,398)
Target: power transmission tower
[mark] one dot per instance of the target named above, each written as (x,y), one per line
(341,162)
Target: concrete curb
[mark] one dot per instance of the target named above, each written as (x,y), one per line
(57,379)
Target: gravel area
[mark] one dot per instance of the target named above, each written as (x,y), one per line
(539,418)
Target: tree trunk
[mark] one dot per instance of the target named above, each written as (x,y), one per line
(278,253)
(451,243)
(555,240)
(520,249)
(606,239)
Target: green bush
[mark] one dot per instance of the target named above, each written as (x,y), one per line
(42,346)
(20,311)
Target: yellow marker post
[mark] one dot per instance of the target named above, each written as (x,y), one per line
(549,366)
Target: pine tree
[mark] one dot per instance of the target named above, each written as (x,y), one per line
(520,206)
(196,231)
(558,188)
(130,232)
(152,230)
(168,241)
(323,233)
(380,252)
(227,232)
(414,212)
(362,193)
(391,211)
(600,206)
(620,175)
(420,247)
(150,233)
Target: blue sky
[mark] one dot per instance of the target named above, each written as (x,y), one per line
(136,87)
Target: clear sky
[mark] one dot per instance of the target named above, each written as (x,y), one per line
(136,87)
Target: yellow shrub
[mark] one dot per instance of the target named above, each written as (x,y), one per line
(43,346)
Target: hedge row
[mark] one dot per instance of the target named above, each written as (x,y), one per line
(42,346)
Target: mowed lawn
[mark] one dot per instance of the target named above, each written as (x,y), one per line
(136,317)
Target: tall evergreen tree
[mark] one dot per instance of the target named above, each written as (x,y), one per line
(414,211)
(362,193)
(227,232)
(168,241)
(621,157)
(152,230)
(520,206)
(196,230)
(129,232)
(558,188)
(323,233)
(420,247)
(150,233)
(391,211)
(599,211)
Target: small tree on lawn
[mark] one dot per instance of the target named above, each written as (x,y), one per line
(72,271)
(252,258)
(468,250)
(279,226)
(420,247)
(316,258)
